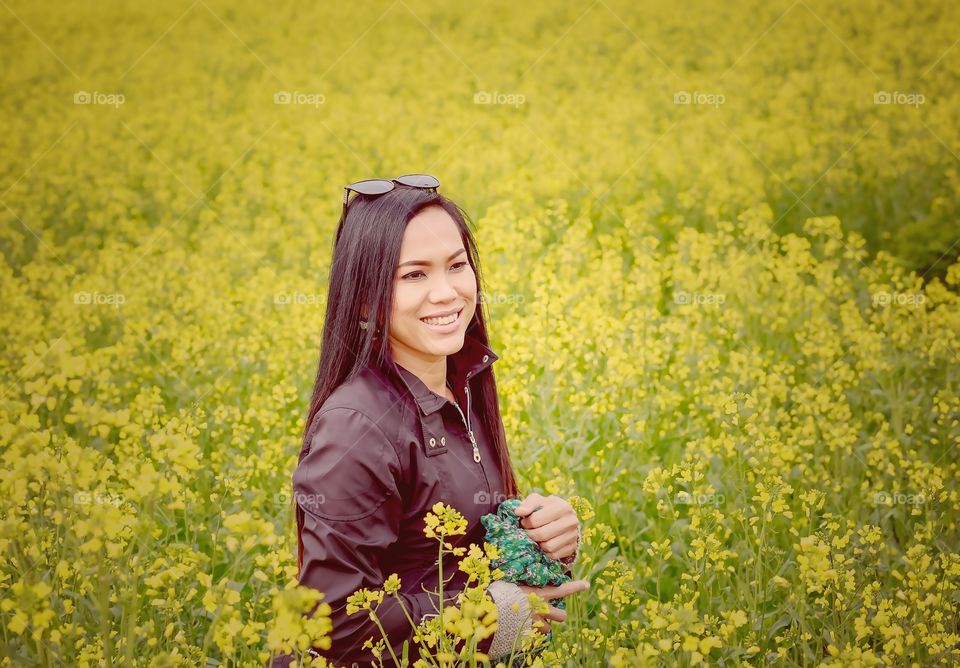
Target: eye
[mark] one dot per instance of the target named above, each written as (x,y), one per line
(458,266)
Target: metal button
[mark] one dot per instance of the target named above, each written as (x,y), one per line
(433,442)
(443,440)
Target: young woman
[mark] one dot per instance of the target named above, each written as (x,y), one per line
(405,414)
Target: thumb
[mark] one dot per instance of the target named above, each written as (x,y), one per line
(528,505)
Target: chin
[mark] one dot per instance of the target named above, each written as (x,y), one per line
(448,347)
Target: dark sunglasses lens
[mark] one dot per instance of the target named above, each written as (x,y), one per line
(372,186)
(419,180)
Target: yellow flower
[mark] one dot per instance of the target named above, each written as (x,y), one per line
(364,599)
(444,521)
(392,584)
(292,628)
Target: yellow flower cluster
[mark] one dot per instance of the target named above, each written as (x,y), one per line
(444,521)
(719,270)
(363,599)
(450,638)
(300,621)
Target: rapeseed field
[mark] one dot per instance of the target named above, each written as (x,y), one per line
(719,245)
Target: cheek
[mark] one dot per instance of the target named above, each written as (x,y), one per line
(467,284)
(406,301)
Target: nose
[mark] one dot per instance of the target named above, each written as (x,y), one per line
(442,290)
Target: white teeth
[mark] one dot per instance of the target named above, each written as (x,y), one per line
(445,320)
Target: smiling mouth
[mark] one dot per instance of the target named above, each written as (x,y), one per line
(445,320)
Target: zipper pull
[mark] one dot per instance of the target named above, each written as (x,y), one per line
(473,441)
(476,450)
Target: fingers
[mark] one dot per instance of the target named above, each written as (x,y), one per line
(564,590)
(556,529)
(528,504)
(547,513)
(542,623)
(560,532)
(555,511)
(556,614)
(567,549)
(541,626)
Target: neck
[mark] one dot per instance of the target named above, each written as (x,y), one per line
(431,370)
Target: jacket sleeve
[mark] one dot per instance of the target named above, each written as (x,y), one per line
(511,622)
(347,485)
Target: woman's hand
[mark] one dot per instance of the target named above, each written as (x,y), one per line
(541,622)
(554,525)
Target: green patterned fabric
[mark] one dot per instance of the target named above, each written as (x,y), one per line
(521,559)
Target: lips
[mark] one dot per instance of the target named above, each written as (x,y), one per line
(443,319)
(442,313)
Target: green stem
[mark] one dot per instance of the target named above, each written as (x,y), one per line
(513,648)
(406,614)
(441,641)
(386,640)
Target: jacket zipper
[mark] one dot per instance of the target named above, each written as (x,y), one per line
(466,423)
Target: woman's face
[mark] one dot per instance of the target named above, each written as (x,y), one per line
(435,290)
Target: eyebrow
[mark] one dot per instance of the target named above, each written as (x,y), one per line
(426,263)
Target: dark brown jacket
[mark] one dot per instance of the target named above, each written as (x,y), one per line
(381,451)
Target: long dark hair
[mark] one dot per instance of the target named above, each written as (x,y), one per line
(365,255)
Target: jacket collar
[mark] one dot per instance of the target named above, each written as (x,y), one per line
(463,365)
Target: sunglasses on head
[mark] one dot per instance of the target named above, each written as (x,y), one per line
(374,187)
